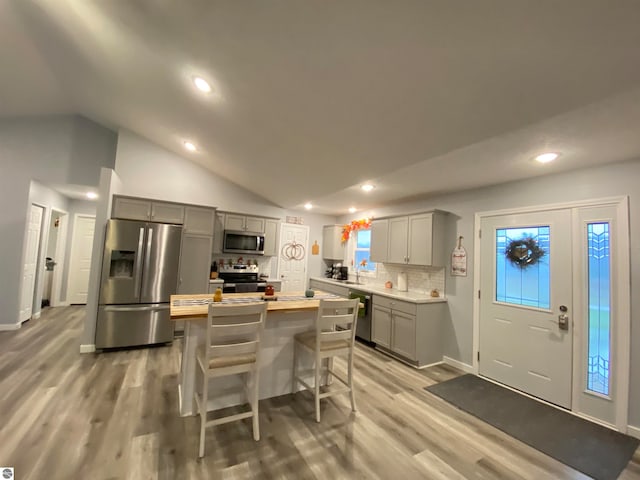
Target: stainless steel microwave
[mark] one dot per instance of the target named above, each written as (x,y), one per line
(251,243)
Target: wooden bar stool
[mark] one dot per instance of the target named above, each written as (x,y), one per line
(232,347)
(326,342)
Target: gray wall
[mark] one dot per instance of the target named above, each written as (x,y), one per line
(606,181)
(49,150)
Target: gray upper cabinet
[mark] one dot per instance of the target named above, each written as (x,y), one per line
(199,220)
(271,231)
(129,208)
(218,232)
(244,223)
(411,239)
(379,240)
(398,235)
(332,246)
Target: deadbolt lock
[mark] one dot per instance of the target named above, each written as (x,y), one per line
(563,321)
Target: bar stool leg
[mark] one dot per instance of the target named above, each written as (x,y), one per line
(350,380)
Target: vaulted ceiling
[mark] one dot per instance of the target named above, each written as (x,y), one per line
(313,98)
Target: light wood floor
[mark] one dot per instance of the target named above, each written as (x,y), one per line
(64,415)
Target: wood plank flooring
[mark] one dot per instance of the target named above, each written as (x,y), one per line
(64,415)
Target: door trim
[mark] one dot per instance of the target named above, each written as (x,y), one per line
(622,273)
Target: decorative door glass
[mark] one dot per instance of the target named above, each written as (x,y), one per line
(599,296)
(522,266)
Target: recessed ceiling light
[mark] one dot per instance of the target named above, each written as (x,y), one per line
(201,84)
(308,206)
(367,187)
(352,210)
(546,157)
(190,146)
(92,195)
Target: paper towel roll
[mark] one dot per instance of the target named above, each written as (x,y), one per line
(402,281)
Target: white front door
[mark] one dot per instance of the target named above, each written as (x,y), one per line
(30,261)
(80,263)
(292,257)
(523,295)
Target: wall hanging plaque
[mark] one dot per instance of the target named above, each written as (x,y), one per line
(459,260)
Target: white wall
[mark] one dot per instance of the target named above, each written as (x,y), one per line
(49,150)
(606,181)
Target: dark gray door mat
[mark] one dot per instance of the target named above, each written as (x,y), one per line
(592,449)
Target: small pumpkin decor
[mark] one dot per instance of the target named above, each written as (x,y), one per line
(355,225)
(524,252)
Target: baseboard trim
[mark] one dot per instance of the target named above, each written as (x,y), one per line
(465,367)
(9,326)
(633,431)
(88,348)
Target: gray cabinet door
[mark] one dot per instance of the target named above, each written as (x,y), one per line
(398,229)
(199,220)
(379,240)
(234,222)
(404,334)
(195,261)
(271,237)
(167,213)
(420,239)
(218,233)
(131,209)
(254,224)
(381,326)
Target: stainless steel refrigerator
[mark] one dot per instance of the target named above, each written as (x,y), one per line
(139,274)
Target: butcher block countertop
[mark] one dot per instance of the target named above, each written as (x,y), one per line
(184,307)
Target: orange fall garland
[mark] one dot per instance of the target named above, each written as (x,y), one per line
(364,223)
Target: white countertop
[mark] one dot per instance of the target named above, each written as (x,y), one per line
(410,296)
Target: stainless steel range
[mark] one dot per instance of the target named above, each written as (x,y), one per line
(241,279)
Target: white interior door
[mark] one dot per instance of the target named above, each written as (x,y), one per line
(521,341)
(292,257)
(34,227)
(80,263)
(58,269)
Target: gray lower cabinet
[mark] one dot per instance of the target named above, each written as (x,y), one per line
(412,331)
(381,326)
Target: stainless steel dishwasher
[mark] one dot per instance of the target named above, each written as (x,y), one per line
(363,326)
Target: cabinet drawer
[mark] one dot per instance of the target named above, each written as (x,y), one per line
(399,305)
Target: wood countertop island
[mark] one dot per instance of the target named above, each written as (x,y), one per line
(186,307)
(292,313)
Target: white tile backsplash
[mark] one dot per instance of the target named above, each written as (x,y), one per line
(419,279)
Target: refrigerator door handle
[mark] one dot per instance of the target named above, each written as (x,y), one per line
(138,273)
(136,308)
